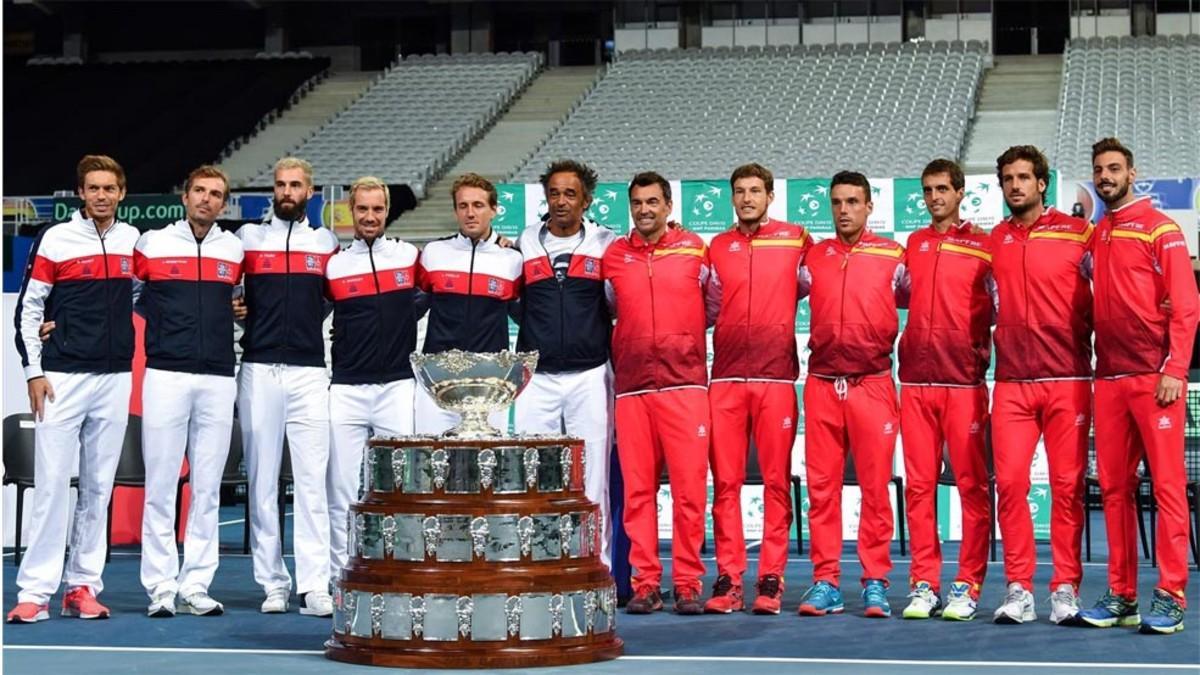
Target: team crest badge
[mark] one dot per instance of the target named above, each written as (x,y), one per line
(924,246)
(222,271)
(400,277)
(310,262)
(493,287)
(124,265)
(589,267)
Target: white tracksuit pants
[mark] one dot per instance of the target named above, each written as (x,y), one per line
(356,412)
(581,403)
(432,420)
(86,419)
(183,412)
(274,398)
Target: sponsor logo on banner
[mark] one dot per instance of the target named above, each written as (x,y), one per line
(908,204)
(510,209)
(706,206)
(808,204)
(610,207)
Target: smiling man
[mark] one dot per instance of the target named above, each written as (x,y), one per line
(78,277)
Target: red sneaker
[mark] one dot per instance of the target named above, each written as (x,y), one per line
(770,595)
(687,601)
(726,597)
(28,612)
(645,601)
(80,602)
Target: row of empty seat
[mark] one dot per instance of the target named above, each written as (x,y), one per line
(884,110)
(1144,90)
(933,46)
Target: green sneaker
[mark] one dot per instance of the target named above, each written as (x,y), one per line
(1166,615)
(925,602)
(1111,610)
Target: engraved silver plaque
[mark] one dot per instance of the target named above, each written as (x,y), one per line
(440,460)
(550,474)
(340,625)
(371,544)
(566,462)
(397,617)
(512,614)
(601,621)
(431,529)
(547,540)
(504,542)
(510,471)
(525,528)
(464,609)
(388,527)
(574,620)
(463,476)
(399,462)
(535,616)
(351,534)
(556,614)
(590,605)
(416,610)
(589,538)
(361,624)
(418,477)
(565,530)
(531,461)
(376,614)
(409,541)
(479,535)
(441,617)
(455,543)
(487,467)
(366,472)
(350,604)
(360,525)
(488,620)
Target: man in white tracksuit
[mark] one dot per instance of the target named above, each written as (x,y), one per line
(283,387)
(79,281)
(190,268)
(372,284)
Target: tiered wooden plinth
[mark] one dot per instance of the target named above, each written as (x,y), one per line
(474,554)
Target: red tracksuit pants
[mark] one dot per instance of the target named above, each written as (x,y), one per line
(1129,421)
(933,417)
(672,426)
(767,412)
(860,417)
(1061,411)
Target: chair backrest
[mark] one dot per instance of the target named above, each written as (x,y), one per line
(18,449)
(131,469)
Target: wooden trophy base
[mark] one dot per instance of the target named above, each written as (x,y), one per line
(480,655)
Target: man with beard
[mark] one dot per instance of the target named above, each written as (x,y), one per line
(565,318)
(190,268)
(373,285)
(944,354)
(1043,386)
(753,394)
(283,388)
(1146,312)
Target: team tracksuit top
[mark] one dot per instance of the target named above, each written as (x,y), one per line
(186,298)
(373,286)
(754,283)
(472,284)
(566,321)
(1141,259)
(285,276)
(80,280)
(658,341)
(1044,322)
(852,292)
(952,295)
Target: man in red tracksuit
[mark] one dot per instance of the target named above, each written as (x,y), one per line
(944,354)
(852,281)
(753,394)
(1043,387)
(1146,312)
(655,279)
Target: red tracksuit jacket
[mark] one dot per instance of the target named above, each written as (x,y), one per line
(852,292)
(754,282)
(1044,324)
(658,293)
(1141,259)
(948,338)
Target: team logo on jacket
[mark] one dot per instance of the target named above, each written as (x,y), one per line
(1008,238)
(701,431)
(124,265)
(310,262)
(1164,422)
(222,271)
(829,252)
(924,247)
(589,267)
(974,428)
(889,428)
(1081,420)
(787,422)
(628,258)
(493,287)
(400,277)
(734,247)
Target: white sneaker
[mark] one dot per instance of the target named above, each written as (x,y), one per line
(317,603)
(1064,604)
(1017,607)
(162,605)
(960,606)
(276,602)
(925,602)
(200,604)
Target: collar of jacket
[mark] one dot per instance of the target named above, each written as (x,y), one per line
(78,218)
(183,228)
(670,236)
(361,245)
(493,239)
(276,221)
(765,226)
(1132,211)
(588,228)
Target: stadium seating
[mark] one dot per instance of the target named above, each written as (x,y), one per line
(881,108)
(417,118)
(1144,90)
(160,119)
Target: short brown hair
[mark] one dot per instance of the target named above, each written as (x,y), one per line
(648,178)
(207,171)
(370,183)
(476,181)
(1111,144)
(754,170)
(587,176)
(957,180)
(91,163)
(852,178)
(1029,153)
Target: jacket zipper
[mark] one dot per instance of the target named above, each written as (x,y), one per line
(750,283)
(107,290)
(287,283)
(471,280)
(200,294)
(379,351)
(562,309)
(937,258)
(653,311)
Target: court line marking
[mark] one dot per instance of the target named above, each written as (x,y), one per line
(724,659)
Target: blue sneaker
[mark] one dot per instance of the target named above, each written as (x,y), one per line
(820,599)
(874,595)
(1166,615)
(1110,610)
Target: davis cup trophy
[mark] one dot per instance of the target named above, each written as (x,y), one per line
(474,549)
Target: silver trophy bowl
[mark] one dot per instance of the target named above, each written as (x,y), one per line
(474,385)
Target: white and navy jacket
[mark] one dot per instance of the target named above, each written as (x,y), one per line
(565,319)
(186,298)
(376,303)
(472,284)
(285,295)
(82,281)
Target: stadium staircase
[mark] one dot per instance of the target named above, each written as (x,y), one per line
(1018,104)
(531,118)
